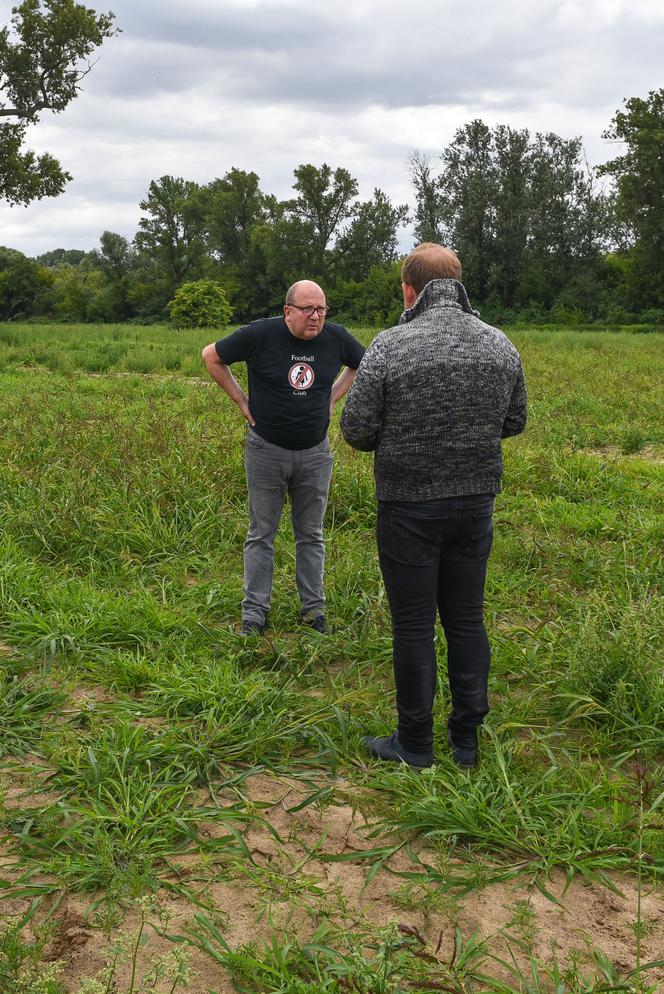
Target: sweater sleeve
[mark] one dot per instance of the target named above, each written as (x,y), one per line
(515,419)
(362,415)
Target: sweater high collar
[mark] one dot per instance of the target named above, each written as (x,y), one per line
(439,293)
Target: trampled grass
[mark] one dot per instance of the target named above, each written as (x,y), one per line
(135,722)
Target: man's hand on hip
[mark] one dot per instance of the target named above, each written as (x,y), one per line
(222,375)
(243,404)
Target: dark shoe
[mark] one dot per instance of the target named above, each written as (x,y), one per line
(319,624)
(463,756)
(390,748)
(252,627)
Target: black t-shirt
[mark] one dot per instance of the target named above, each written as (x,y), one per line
(290,378)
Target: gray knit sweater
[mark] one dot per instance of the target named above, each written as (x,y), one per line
(434,396)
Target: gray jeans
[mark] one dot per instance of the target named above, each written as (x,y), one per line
(271,473)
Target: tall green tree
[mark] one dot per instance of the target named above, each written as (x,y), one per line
(468,187)
(428,214)
(522,211)
(116,256)
(325,199)
(511,209)
(279,254)
(232,206)
(370,239)
(10,255)
(115,260)
(24,289)
(171,233)
(44,54)
(556,248)
(639,176)
(82,293)
(61,257)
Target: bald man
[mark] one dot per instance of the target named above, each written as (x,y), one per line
(293,364)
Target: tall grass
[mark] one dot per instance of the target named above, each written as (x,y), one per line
(135,708)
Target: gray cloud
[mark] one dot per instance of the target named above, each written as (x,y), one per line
(230,27)
(322,59)
(195,89)
(451,55)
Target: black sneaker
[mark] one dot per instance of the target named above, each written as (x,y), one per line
(389,748)
(319,624)
(463,756)
(252,627)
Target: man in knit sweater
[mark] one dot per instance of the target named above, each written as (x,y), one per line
(433,397)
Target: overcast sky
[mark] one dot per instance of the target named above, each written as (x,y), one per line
(192,89)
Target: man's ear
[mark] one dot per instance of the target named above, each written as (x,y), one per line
(410,295)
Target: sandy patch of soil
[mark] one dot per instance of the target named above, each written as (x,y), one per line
(83,697)
(290,888)
(651,453)
(21,779)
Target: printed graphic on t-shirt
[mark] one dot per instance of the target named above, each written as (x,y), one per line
(301,376)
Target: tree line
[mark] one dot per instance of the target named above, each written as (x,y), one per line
(542,235)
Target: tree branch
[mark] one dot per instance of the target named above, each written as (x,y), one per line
(26,113)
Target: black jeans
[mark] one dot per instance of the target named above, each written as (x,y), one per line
(434,555)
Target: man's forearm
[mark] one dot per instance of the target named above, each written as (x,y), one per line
(342,385)
(222,376)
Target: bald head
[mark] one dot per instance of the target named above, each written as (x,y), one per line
(427,262)
(303,288)
(305,309)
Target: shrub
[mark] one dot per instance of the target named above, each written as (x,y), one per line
(653,316)
(375,301)
(201,304)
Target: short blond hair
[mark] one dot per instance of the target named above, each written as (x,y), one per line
(430,261)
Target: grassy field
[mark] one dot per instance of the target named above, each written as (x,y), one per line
(182,809)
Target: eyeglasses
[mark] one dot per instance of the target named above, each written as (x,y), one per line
(308,310)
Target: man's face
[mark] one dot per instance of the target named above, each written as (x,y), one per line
(302,320)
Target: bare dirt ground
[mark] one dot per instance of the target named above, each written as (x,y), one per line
(290,889)
(651,453)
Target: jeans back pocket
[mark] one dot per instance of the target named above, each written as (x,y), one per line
(408,538)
